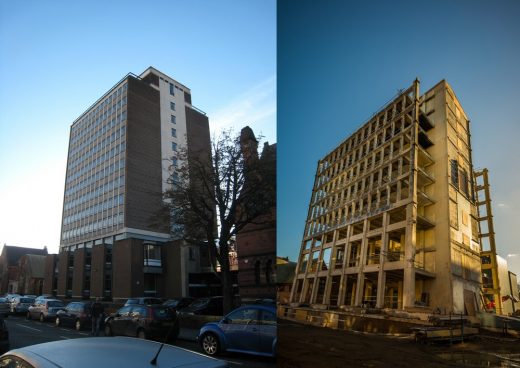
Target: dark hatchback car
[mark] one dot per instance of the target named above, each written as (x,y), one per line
(144,301)
(144,321)
(179,303)
(212,306)
(76,314)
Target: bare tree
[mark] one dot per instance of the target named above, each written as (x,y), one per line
(214,198)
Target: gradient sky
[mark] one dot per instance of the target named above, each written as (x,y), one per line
(59,57)
(340,61)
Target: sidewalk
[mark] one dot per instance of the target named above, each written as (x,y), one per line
(189,334)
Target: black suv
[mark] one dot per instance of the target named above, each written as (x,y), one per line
(144,321)
(76,314)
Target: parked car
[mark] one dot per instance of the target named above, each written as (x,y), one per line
(4,337)
(42,297)
(21,304)
(106,352)
(75,314)
(250,329)
(212,306)
(10,296)
(45,309)
(144,321)
(179,303)
(144,300)
(5,307)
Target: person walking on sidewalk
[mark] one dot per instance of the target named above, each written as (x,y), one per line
(97,313)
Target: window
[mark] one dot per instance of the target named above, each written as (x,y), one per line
(175,163)
(454,173)
(172,106)
(152,255)
(268,318)
(174,132)
(172,89)
(174,146)
(244,317)
(173,119)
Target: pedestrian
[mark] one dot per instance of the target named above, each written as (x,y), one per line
(97,313)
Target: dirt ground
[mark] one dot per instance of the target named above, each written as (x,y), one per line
(302,346)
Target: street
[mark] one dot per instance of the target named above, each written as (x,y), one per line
(23,332)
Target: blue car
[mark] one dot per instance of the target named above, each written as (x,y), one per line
(249,329)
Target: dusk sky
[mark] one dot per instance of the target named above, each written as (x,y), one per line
(59,57)
(339,62)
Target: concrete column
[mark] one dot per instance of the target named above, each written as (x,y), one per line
(381,279)
(361,277)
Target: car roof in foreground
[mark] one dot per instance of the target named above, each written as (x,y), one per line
(125,352)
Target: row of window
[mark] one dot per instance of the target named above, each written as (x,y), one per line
(103,145)
(115,201)
(92,118)
(98,161)
(99,191)
(107,241)
(109,222)
(95,177)
(108,122)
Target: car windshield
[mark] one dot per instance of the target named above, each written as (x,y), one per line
(55,303)
(131,301)
(171,303)
(199,302)
(26,300)
(3,300)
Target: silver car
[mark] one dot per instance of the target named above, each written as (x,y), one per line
(21,304)
(45,309)
(106,352)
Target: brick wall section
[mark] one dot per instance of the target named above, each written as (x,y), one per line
(62,273)
(151,78)
(97,271)
(171,264)
(127,263)
(197,135)
(49,273)
(78,273)
(143,164)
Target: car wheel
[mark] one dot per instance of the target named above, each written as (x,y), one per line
(42,318)
(58,322)
(78,325)
(28,315)
(108,330)
(210,344)
(141,334)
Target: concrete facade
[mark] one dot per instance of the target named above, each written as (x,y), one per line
(392,221)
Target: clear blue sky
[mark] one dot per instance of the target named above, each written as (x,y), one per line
(58,57)
(339,61)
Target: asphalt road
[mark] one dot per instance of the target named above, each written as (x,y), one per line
(24,332)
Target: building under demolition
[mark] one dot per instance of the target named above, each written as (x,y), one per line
(392,220)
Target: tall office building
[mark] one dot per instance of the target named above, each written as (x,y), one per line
(392,220)
(122,150)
